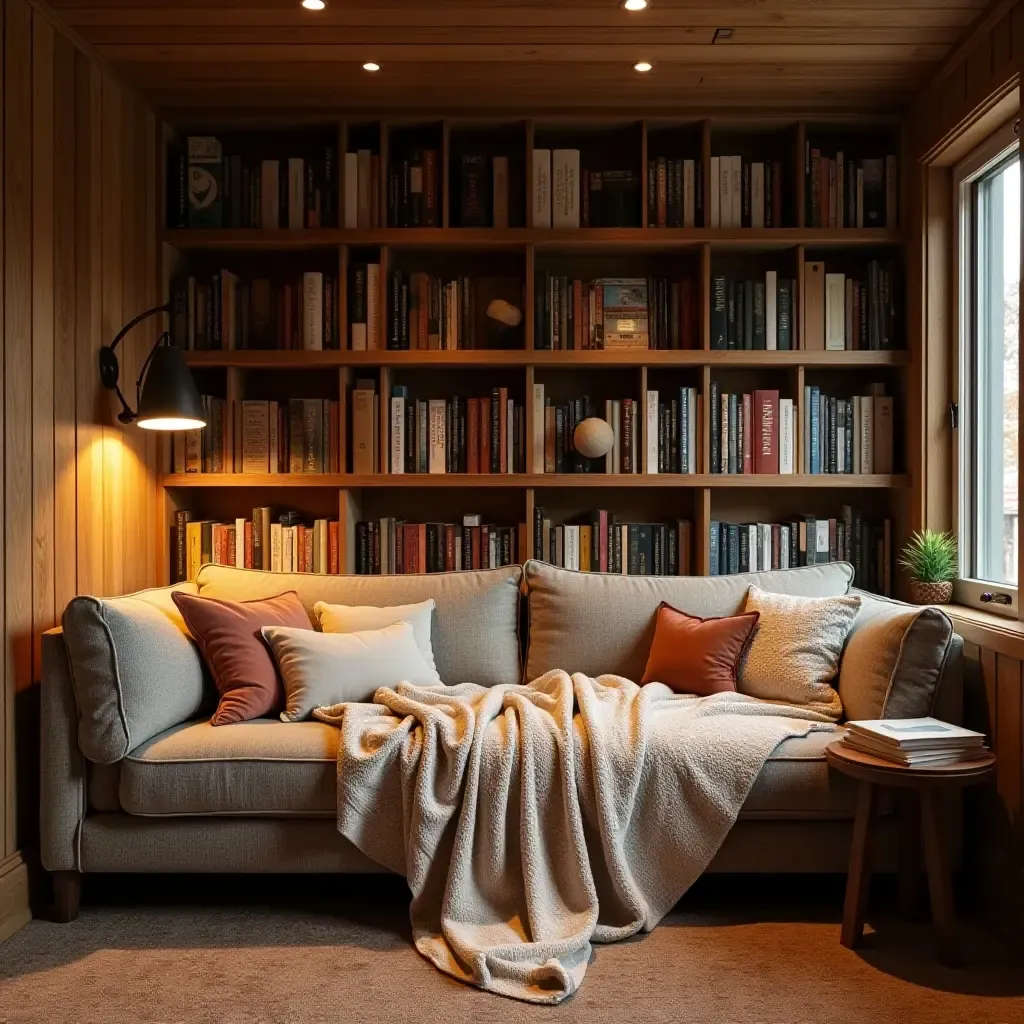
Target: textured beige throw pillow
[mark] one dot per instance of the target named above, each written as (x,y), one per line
(794,655)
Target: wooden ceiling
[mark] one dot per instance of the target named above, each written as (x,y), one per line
(523,55)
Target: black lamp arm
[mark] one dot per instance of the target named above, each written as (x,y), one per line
(110,370)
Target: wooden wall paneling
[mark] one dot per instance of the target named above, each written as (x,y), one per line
(1007,738)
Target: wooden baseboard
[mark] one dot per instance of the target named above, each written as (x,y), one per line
(14,908)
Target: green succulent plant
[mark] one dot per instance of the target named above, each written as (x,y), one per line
(930,556)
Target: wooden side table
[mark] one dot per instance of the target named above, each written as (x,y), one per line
(927,785)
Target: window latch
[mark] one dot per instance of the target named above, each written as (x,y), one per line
(954,415)
(989,598)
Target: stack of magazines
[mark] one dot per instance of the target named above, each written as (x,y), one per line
(915,742)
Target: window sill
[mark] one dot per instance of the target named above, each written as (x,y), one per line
(995,632)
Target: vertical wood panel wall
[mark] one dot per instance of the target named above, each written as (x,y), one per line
(78,500)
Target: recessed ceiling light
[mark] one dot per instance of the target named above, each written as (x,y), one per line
(642,66)
(370,66)
(314,5)
(634,5)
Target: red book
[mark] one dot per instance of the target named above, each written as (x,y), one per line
(248,545)
(766,428)
(232,553)
(334,548)
(449,547)
(748,466)
(475,545)
(503,430)
(602,540)
(473,436)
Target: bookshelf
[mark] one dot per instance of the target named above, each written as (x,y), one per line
(641,250)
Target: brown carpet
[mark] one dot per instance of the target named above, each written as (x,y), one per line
(304,951)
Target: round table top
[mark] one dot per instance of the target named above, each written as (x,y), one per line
(869,768)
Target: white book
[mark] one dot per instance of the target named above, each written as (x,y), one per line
(883,433)
(867,434)
(276,539)
(737,192)
(364,188)
(822,540)
(651,461)
(373,305)
(397,435)
(725,190)
(565,191)
(716,193)
(239,543)
(616,422)
(540,209)
(351,172)
(786,435)
(766,546)
(835,312)
(916,733)
(753,562)
(255,437)
(437,424)
(771,310)
(689,194)
(609,418)
(537,440)
(572,547)
(296,193)
(270,194)
(757,195)
(313,311)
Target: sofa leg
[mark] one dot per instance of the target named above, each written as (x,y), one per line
(67,892)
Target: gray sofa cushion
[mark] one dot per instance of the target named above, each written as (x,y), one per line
(264,766)
(894,659)
(475,634)
(135,671)
(596,622)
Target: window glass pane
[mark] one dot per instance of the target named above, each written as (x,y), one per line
(997,269)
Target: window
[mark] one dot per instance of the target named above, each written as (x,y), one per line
(988,196)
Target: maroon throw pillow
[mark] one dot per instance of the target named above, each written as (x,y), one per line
(694,655)
(228,635)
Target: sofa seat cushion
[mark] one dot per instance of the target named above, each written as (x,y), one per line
(262,766)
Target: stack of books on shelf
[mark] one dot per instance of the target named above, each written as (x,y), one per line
(673,432)
(841,312)
(279,543)
(208,188)
(614,313)
(842,192)
(362,190)
(752,314)
(848,435)
(915,742)
(428,312)
(395,546)
(483,191)
(675,193)
(414,190)
(566,196)
(745,194)
(301,435)
(807,540)
(752,433)
(604,544)
(225,311)
(559,428)
(456,435)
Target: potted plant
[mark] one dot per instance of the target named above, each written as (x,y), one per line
(930,559)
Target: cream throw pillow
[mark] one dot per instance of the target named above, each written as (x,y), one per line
(794,655)
(319,669)
(351,618)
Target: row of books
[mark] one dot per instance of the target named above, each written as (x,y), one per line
(414,190)
(456,435)
(745,193)
(752,433)
(806,540)
(210,189)
(284,543)
(428,312)
(362,190)
(604,544)
(675,193)
(848,435)
(842,192)
(752,314)
(388,545)
(301,435)
(673,432)
(842,312)
(225,311)
(483,191)
(560,422)
(566,196)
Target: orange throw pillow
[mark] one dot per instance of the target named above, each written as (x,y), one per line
(229,638)
(694,655)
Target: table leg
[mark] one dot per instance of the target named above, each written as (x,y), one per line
(859,875)
(909,854)
(936,859)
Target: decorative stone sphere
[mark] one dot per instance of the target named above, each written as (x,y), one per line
(593,438)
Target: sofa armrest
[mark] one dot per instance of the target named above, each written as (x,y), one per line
(949,694)
(62,767)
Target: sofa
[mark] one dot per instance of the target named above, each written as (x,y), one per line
(135,779)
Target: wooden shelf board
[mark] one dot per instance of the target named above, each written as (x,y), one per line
(521,480)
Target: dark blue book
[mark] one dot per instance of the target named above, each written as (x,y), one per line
(784,300)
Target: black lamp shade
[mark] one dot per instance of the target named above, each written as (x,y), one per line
(169,399)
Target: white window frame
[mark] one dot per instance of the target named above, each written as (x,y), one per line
(996,148)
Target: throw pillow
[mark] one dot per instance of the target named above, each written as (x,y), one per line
(228,636)
(695,655)
(320,669)
(348,618)
(794,654)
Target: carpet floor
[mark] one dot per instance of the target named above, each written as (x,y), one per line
(305,951)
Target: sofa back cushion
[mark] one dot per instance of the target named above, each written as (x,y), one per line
(475,631)
(134,669)
(894,660)
(597,622)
